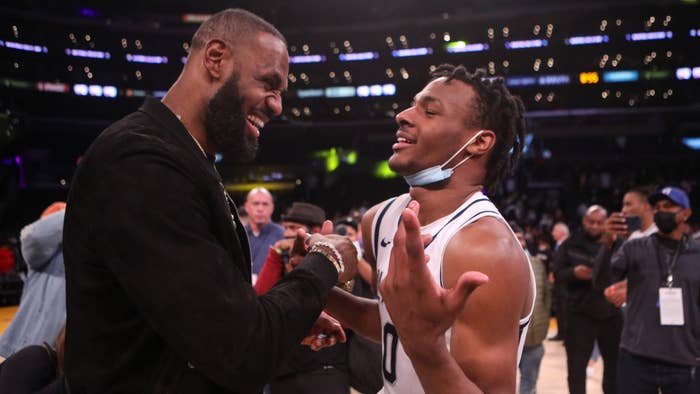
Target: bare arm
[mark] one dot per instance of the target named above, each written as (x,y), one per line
(485,336)
(359,314)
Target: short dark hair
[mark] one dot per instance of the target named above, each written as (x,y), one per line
(495,108)
(233,24)
(642,191)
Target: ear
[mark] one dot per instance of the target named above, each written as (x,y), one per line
(483,143)
(685,214)
(217,55)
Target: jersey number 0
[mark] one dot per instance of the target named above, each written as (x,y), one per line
(391,341)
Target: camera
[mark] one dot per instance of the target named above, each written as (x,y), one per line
(633,222)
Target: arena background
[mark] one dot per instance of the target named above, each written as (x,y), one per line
(611,88)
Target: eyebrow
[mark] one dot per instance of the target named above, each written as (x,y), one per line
(275,80)
(426,99)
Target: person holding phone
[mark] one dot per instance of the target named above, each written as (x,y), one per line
(660,343)
(636,220)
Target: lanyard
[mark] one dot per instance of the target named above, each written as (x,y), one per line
(672,263)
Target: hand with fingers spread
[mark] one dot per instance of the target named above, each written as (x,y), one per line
(421,310)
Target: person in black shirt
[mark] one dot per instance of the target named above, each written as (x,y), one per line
(589,315)
(159,294)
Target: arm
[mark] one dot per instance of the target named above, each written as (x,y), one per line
(485,342)
(359,314)
(41,240)
(270,273)
(156,235)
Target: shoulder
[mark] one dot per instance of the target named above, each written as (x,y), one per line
(486,245)
(366,225)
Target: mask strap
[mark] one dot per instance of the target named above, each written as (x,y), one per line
(461,149)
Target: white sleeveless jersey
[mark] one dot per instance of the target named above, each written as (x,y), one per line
(399,375)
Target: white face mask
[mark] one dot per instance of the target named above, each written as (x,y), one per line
(437,173)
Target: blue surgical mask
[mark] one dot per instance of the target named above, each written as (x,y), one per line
(437,173)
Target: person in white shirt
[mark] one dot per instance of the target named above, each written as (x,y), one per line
(635,203)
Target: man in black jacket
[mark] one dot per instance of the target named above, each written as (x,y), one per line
(660,347)
(589,316)
(159,295)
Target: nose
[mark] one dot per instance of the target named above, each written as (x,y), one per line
(274,103)
(402,119)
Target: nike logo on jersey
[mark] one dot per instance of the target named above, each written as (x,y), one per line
(384,243)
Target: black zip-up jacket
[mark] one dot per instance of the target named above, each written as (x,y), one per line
(581,295)
(159,298)
(642,334)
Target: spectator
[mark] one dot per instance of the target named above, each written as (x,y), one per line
(660,345)
(589,316)
(42,308)
(262,231)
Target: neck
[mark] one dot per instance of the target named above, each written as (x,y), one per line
(647,221)
(676,235)
(190,107)
(437,202)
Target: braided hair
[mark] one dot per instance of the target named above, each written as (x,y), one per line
(496,109)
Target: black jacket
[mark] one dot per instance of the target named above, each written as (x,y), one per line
(582,296)
(159,298)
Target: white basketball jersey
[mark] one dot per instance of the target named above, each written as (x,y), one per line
(398,372)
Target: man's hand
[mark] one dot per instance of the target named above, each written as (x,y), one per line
(583,272)
(421,310)
(615,227)
(342,244)
(326,332)
(616,293)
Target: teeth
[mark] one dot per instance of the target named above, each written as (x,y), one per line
(257,122)
(402,139)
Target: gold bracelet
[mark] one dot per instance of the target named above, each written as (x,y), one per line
(329,256)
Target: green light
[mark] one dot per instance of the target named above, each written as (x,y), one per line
(332,160)
(456,44)
(382,171)
(656,74)
(351,157)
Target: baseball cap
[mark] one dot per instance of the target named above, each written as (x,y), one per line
(676,195)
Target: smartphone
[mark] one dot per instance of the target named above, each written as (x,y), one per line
(633,223)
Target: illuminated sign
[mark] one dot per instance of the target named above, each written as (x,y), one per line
(650,35)
(135,58)
(556,79)
(526,44)
(621,76)
(340,91)
(588,78)
(462,47)
(310,93)
(24,47)
(353,57)
(307,59)
(88,53)
(587,40)
(411,52)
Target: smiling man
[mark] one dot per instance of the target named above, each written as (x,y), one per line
(464,134)
(159,298)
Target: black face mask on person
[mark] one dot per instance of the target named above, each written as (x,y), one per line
(225,124)
(665,221)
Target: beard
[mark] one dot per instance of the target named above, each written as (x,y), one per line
(225,123)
